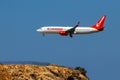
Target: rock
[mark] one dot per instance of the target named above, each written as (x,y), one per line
(40,72)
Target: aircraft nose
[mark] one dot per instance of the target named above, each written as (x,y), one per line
(38,30)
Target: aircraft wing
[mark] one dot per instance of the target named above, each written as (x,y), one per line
(71,31)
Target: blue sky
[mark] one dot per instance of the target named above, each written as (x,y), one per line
(99,53)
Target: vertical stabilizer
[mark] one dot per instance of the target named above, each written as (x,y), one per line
(100,23)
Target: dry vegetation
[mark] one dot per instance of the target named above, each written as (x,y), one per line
(37,72)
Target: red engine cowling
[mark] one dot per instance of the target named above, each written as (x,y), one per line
(63,33)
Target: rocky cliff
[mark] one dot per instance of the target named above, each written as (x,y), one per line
(40,72)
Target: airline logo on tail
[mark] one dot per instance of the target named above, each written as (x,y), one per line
(100,23)
(64,31)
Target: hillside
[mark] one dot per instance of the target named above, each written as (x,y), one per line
(40,72)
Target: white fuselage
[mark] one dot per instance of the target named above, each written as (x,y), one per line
(57,29)
(64,31)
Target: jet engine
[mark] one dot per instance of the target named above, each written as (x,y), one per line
(63,33)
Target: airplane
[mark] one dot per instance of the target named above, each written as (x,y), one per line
(65,31)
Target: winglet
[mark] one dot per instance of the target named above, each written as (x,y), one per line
(100,23)
(77,24)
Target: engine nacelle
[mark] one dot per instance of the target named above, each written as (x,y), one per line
(63,33)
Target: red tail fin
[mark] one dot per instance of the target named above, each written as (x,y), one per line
(100,23)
